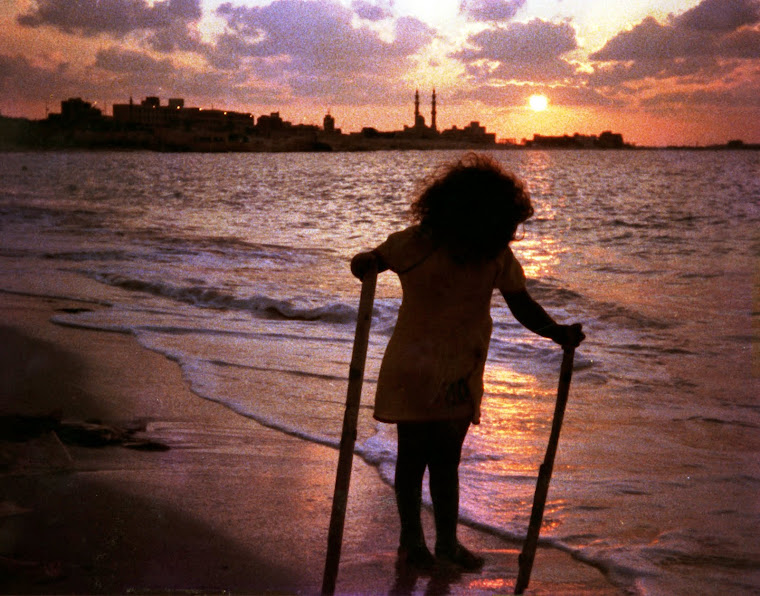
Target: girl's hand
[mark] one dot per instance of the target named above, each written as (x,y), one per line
(362,262)
(568,336)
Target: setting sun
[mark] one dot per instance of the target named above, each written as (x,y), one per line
(538,103)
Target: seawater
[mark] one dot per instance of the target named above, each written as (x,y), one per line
(236,267)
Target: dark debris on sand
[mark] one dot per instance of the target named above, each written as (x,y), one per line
(19,428)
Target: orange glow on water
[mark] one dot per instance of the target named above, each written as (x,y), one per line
(496,584)
(497,379)
(538,256)
(516,409)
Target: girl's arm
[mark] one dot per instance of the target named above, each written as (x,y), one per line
(532,316)
(360,263)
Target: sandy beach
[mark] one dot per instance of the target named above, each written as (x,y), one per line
(191,496)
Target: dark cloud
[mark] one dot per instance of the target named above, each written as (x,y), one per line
(121,69)
(742,44)
(177,37)
(650,40)
(370,11)
(118,60)
(20,78)
(547,70)
(491,10)
(535,41)
(695,69)
(712,28)
(135,72)
(745,95)
(709,43)
(520,51)
(362,90)
(719,15)
(23,80)
(114,17)
(228,51)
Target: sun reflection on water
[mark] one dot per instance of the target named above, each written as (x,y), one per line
(516,418)
(538,256)
(491,584)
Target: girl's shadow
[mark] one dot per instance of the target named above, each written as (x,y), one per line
(440,580)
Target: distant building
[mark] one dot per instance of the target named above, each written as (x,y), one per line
(419,130)
(606,140)
(177,127)
(151,113)
(77,110)
(266,125)
(610,140)
(473,133)
(328,124)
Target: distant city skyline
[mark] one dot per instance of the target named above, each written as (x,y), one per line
(660,72)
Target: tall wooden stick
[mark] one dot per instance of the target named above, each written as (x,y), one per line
(348,438)
(544,475)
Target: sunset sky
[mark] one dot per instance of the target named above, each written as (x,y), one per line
(658,71)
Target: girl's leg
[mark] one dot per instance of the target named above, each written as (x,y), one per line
(410,470)
(445,454)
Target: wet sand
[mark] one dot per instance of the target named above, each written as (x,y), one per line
(230,506)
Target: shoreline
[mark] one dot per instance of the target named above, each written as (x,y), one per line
(502,147)
(231,506)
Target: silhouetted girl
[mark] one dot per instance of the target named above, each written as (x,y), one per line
(431,378)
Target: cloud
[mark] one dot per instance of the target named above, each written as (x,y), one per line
(370,11)
(118,60)
(118,73)
(535,41)
(517,94)
(411,36)
(716,28)
(745,95)
(709,46)
(318,46)
(491,10)
(547,71)
(124,69)
(319,33)
(502,95)
(114,17)
(288,48)
(742,44)
(719,15)
(520,51)
(20,78)
(118,69)
(649,40)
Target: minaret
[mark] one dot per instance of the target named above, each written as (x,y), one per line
(416,106)
(432,113)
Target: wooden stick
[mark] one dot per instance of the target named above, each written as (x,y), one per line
(544,475)
(348,438)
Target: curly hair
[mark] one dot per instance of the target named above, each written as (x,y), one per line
(472,207)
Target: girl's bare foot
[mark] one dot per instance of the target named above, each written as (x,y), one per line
(417,557)
(459,556)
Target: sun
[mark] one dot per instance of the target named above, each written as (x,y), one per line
(538,103)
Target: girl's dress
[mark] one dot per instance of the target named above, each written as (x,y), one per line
(433,366)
